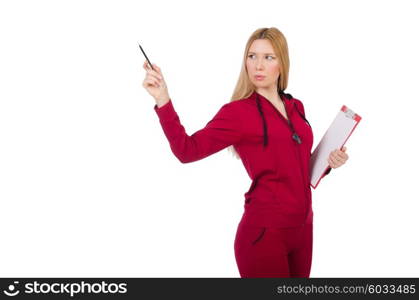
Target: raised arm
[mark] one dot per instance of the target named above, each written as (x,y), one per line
(223,130)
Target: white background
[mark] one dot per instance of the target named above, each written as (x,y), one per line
(90,187)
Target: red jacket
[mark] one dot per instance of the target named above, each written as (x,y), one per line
(280,193)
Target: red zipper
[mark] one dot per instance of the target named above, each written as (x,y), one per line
(298,154)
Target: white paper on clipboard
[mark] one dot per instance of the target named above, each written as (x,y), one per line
(334,138)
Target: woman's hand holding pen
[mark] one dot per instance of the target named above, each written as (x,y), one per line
(155,85)
(337,158)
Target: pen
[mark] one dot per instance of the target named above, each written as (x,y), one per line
(146,57)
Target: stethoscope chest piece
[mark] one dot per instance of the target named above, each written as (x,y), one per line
(296,138)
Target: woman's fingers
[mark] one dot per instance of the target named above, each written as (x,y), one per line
(151,82)
(156,72)
(153,78)
(146,66)
(157,69)
(337,158)
(154,81)
(332,161)
(342,155)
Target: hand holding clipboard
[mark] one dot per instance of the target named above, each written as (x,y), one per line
(335,137)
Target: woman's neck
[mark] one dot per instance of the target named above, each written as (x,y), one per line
(270,94)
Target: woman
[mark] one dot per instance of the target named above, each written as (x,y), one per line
(267,129)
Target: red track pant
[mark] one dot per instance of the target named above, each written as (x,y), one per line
(273,252)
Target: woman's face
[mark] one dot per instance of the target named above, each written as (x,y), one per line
(261,60)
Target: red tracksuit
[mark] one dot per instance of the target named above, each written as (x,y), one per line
(274,237)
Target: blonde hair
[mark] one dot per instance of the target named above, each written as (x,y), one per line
(244,87)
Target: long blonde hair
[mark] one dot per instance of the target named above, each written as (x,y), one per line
(244,87)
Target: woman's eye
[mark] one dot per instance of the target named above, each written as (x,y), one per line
(266,56)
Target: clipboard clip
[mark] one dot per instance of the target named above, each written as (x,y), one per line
(349,113)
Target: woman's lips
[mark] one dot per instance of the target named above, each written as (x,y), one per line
(259,77)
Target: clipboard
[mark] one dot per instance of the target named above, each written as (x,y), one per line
(334,138)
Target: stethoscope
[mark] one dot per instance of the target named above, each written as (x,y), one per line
(295,135)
